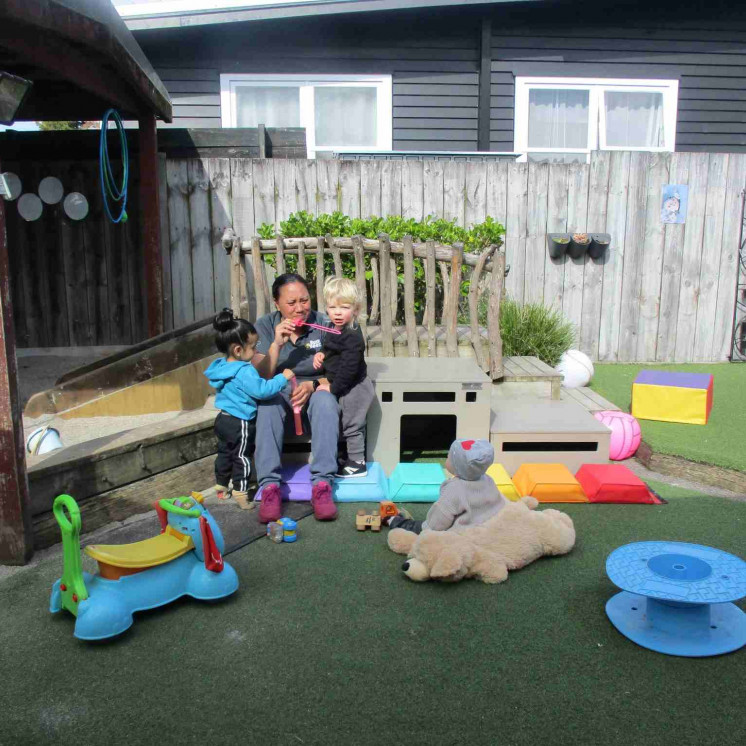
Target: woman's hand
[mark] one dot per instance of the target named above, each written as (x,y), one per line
(318,360)
(301,394)
(283,331)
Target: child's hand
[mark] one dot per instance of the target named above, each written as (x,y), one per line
(288,374)
(318,360)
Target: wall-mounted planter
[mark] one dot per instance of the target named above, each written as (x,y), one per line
(557,244)
(579,243)
(599,245)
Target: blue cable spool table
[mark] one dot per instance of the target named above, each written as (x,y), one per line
(677,598)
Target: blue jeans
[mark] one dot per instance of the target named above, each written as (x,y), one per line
(321,412)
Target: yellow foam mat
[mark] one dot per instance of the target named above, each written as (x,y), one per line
(154,551)
(502,480)
(549,483)
(669,404)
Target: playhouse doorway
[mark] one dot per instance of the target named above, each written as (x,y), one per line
(426,436)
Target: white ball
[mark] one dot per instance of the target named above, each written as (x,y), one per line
(576,368)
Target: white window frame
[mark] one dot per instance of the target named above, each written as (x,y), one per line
(596,111)
(307,83)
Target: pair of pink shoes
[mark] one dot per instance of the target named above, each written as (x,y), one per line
(323,505)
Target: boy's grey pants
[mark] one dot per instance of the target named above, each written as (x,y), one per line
(354,405)
(321,412)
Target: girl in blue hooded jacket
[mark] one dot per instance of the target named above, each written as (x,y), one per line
(238,387)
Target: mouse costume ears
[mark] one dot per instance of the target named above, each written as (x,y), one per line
(470,459)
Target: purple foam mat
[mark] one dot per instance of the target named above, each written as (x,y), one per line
(295,483)
(674,378)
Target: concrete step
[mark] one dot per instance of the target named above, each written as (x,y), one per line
(533,430)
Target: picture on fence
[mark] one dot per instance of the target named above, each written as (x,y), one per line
(673,203)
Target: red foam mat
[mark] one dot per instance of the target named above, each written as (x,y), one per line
(614,483)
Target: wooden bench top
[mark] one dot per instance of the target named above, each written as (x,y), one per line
(528,368)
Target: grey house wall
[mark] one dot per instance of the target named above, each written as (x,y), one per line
(434,59)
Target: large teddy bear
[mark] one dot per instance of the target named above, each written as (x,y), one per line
(515,537)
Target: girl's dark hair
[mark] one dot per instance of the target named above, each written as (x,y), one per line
(231,331)
(287,279)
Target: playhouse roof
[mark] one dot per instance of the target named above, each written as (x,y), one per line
(81,58)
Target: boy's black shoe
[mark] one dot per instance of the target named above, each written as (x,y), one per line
(352,469)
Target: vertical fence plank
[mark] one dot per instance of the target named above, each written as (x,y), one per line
(305,185)
(554,269)
(221,205)
(349,188)
(515,229)
(413,345)
(180,242)
(201,230)
(673,255)
(168,310)
(264,193)
(712,246)
(362,286)
(413,189)
(634,236)
(536,226)
(577,221)
(598,193)
(497,191)
(370,188)
(286,194)
(475,191)
(242,192)
(686,324)
(651,263)
(432,188)
(387,287)
(616,222)
(454,188)
(327,186)
(430,298)
(723,329)
(391,188)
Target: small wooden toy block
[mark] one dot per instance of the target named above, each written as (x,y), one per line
(671,396)
(364,520)
(387,509)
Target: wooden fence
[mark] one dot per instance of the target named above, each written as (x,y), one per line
(664,292)
(384,300)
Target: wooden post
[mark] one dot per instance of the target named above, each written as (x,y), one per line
(476,276)
(336,254)
(280,254)
(493,318)
(16,538)
(357,244)
(149,210)
(262,141)
(236,293)
(387,331)
(320,279)
(301,258)
(455,288)
(430,295)
(413,344)
(259,278)
(374,304)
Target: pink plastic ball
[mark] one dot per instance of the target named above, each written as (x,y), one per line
(625,433)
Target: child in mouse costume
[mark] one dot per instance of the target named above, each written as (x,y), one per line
(469,499)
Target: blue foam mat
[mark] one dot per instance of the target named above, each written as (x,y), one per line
(416,483)
(370,488)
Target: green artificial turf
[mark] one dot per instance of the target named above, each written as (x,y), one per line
(327,642)
(722,441)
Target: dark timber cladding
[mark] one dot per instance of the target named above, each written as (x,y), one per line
(703,45)
(433,57)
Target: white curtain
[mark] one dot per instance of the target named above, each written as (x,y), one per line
(634,119)
(273,106)
(345,116)
(557,118)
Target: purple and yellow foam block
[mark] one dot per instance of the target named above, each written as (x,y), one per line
(669,396)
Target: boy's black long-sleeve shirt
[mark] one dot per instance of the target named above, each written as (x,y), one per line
(344,360)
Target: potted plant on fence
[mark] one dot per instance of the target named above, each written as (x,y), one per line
(599,245)
(557,244)
(579,244)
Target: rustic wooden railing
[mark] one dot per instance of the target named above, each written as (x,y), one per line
(384,302)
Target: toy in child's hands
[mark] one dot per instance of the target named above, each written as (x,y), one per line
(185,559)
(514,538)
(299,322)
(296,410)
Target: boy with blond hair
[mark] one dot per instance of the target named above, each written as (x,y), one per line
(342,358)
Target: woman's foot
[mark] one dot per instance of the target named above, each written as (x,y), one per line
(351,469)
(322,503)
(271,507)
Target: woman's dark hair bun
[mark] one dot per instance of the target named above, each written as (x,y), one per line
(230,330)
(224,321)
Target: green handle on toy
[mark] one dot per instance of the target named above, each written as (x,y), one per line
(168,505)
(72,574)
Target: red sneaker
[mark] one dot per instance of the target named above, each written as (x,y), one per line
(324,508)
(270,508)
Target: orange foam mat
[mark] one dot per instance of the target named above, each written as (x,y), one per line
(549,483)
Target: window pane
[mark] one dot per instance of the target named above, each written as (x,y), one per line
(557,157)
(345,116)
(634,119)
(557,118)
(273,106)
